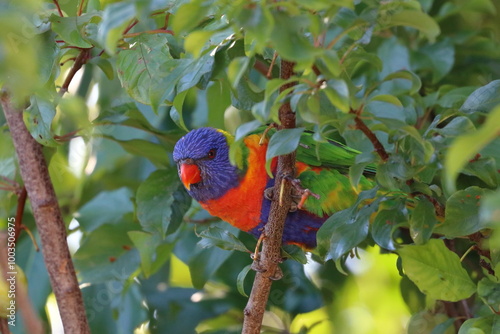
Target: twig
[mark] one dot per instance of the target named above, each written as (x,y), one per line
(130,26)
(379,148)
(48,218)
(261,68)
(154,31)
(273,230)
(80,60)
(438,207)
(80,7)
(269,74)
(58,8)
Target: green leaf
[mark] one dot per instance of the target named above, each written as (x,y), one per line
(383,227)
(462,213)
(483,168)
(106,254)
(337,92)
(418,20)
(105,66)
(146,245)
(205,263)
(437,271)
(289,40)
(70,29)
(154,152)
(236,69)
(176,110)
(189,15)
(422,221)
(489,292)
(468,145)
(258,23)
(282,142)
(483,99)
(216,236)
(115,18)
(108,207)
(345,229)
(240,281)
(38,118)
(407,75)
(294,252)
(388,99)
(489,212)
(162,202)
(195,41)
(481,325)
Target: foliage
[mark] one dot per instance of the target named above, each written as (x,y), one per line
(423,76)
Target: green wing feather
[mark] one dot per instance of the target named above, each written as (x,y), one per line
(329,179)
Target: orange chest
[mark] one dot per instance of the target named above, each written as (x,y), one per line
(241,206)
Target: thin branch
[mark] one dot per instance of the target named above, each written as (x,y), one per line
(269,74)
(48,218)
(130,26)
(80,7)
(80,60)
(58,8)
(270,256)
(261,68)
(154,31)
(379,148)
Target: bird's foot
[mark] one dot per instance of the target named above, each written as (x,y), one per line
(264,134)
(269,193)
(298,192)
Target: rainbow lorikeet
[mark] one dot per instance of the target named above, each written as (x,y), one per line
(236,193)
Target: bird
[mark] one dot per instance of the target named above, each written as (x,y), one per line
(238,193)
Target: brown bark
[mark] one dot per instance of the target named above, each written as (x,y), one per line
(51,227)
(270,256)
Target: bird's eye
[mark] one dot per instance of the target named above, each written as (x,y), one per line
(211,154)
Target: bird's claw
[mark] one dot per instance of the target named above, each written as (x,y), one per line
(269,193)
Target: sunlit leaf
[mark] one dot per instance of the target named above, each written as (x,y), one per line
(466,146)
(437,271)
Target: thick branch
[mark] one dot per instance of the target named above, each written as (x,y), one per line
(51,228)
(270,256)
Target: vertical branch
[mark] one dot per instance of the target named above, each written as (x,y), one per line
(47,213)
(270,256)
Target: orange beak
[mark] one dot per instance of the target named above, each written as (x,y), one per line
(190,174)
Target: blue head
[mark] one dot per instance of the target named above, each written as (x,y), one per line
(202,158)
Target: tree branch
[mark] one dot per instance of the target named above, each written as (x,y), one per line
(379,148)
(47,213)
(270,256)
(80,60)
